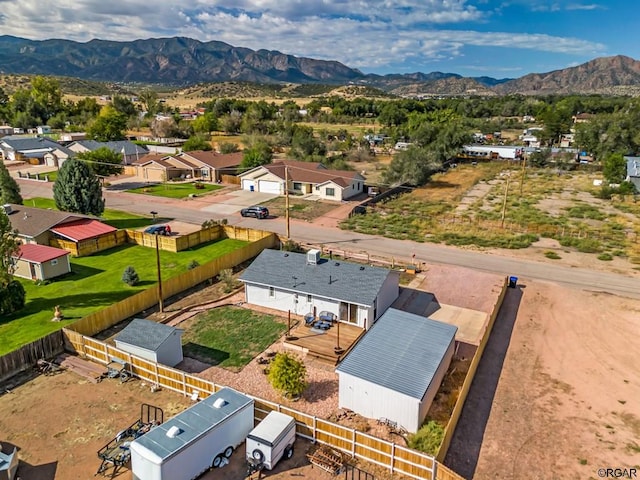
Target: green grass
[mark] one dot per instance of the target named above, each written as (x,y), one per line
(175,190)
(115,218)
(94,283)
(230,337)
(52,175)
(552,255)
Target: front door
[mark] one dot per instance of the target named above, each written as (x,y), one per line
(32,267)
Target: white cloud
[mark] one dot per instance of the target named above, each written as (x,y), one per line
(366,34)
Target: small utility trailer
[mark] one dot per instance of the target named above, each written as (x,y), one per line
(271,440)
(117,453)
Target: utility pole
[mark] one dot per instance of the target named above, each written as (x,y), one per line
(286,200)
(159,276)
(504,202)
(524,168)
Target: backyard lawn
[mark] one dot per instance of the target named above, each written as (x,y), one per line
(176,190)
(94,283)
(229,337)
(116,218)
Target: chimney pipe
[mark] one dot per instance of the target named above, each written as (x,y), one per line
(329,279)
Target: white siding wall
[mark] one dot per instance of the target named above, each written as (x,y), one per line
(282,300)
(373,401)
(388,293)
(337,189)
(170,352)
(141,352)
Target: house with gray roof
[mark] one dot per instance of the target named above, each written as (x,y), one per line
(633,171)
(306,283)
(396,369)
(152,341)
(34,224)
(130,151)
(24,148)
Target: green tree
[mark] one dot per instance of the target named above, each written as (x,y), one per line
(8,249)
(206,123)
(108,126)
(414,166)
(130,276)
(124,105)
(9,189)
(287,375)
(46,96)
(12,297)
(149,100)
(614,168)
(258,152)
(196,142)
(77,189)
(102,161)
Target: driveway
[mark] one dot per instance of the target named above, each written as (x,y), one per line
(232,202)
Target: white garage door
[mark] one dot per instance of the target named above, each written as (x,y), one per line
(269,187)
(247,184)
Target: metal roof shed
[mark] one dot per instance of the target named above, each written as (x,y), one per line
(395,370)
(152,341)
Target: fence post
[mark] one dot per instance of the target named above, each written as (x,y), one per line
(393,456)
(353,444)
(315,428)
(155,365)
(106,353)
(184,383)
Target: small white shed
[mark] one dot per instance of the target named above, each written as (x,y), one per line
(396,369)
(152,341)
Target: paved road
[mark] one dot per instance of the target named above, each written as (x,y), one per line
(191,210)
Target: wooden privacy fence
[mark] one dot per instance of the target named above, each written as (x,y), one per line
(91,245)
(26,356)
(396,458)
(109,316)
(462,397)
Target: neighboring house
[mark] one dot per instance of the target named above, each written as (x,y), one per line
(6,130)
(25,148)
(396,369)
(43,226)
(72,137)
(43,129)
(41,262)
(304,178)
(57,156)
(130,151)
(152,341)
(212,165)
(305,283)
(208,166)
(633,171)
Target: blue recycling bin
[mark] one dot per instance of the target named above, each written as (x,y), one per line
(513,282)
(251,188)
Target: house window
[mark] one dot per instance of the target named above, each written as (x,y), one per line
(330,192)
(272,292)
(317,187)
(297,186)
(309,298)
(54,262)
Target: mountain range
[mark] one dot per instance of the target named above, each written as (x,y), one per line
(183,61)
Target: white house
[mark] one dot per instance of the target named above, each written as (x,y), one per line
(130,151)
(152,341)
(633,171)
(305,178)
(396,369)
(305,283)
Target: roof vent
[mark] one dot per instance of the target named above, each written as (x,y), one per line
(361,268)
(173,432)
(337,264)
(286,254)
(7,209)
(219,403)
(313,257)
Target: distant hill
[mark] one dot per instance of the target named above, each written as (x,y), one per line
(184,62)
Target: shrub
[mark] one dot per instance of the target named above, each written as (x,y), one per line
(552,255)
(428,438)
(12,297)
(226,277)
(287,374)
(130,276)
(193,264)
(605,257)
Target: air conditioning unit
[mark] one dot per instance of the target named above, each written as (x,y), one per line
(7,209)
(313,257)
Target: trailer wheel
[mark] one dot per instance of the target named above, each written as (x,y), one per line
(258,455)
(228,452)
(288,453)
(217,461)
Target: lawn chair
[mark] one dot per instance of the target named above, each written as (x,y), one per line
(309,318)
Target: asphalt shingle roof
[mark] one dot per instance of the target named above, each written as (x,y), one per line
(30,143)
(401,352)
(116,146)
(31,222)
(145,334)
(335,279)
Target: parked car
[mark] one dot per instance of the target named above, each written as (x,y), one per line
(257,211)
(158,229)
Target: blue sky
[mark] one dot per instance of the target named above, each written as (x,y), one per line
(499,39)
